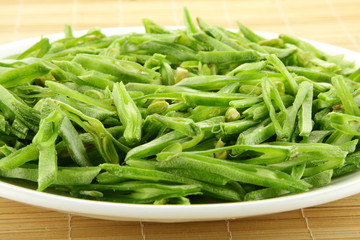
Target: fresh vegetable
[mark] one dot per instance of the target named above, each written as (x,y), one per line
(185,116)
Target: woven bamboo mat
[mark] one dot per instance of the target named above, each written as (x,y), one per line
(332,21)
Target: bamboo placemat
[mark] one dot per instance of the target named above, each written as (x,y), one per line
(332,21)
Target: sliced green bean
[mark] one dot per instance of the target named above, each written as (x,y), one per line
(45,141)
(73,143)
(62,89)
(128,113)
(183,125)
(249,34)
(19,157)
(344,94)
(227,57)
(275,61)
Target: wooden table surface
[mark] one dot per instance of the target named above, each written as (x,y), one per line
(332,21)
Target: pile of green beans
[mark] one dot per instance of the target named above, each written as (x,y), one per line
(185,116)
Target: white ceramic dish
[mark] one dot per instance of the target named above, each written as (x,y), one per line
(340,188)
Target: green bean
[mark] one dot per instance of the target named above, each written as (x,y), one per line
(151,27)
(257,134)
(18,129)
(338,137)
(175,53)
(243,103)
(305,114)
(201,113)
(319,87)
(62,89)
(355,76)
(65,175)
(345,123)
(302,45)
(89,110)
(231,88)
(19,157)
(154,88)
(183,125)
(274,42)
(265,193)
(349,146)
(211,99)
(154,146)
(140,173)
(222,192)
(24,74)
(249,34)
(347,100)
(236,127)
(269,154)
(188,22)
(314,75)
(351,164)
(14,107)
(45,141)
(39,49)
(320,179)
(141,192)
(109,178)
(248,67)
(128,113)
(303,99)
(97,79)
(215,82)
(167,74)
(327,66)
(68,54)
(4,125)
(237,37)
(219,34)
(250,89)
(235,171)
(297,171)
(73,142)
(103,140)
(71,67)
(331,156)
(270,94)
(212,42)
(125,71)
(275,61)
(280,52)
(227,57)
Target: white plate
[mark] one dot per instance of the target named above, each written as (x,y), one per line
(340,188)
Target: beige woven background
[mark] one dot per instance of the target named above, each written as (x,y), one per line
(332,21)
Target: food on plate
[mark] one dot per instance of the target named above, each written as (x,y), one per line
(192,115)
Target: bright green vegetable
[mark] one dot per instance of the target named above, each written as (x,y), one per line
(128,113)
(44,140)
(200,114)
(73,143)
